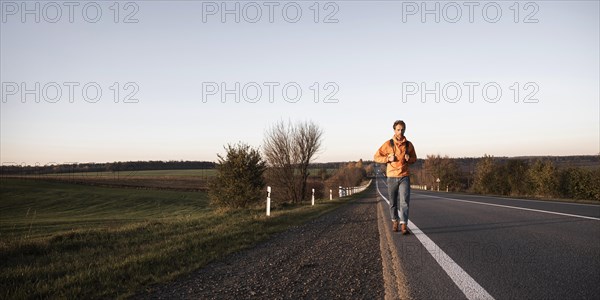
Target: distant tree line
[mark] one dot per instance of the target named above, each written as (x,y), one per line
(328,165)
(352,174)
(10,169)
(16,169)
(572,177)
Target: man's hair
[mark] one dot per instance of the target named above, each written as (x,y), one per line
(399,122)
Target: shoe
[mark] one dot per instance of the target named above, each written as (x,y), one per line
(395,226)
(404,229)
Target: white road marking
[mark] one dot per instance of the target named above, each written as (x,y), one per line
(514,207)
(531,200)
(463,281)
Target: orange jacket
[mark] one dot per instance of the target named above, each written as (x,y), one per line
(398,168)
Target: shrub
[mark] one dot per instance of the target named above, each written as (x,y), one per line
(543,178)
(579,183)
(239,181)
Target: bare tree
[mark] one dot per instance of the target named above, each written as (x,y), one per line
(277,148)
(289,149)
(307,142)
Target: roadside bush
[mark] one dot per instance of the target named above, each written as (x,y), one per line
(317,184)
(579,183)
(543,178)
(239,180)
(517,177)
(486,179)
(516,173)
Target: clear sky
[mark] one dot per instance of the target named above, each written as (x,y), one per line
(374,62)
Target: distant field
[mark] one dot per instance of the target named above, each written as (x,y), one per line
(150,173)
(146,173)
(183,180)
(76,241)
(177,180)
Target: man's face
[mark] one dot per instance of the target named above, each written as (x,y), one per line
(398,131)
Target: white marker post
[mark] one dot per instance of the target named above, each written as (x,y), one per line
(330,195)
(268,201)
(313,196)
(341,192)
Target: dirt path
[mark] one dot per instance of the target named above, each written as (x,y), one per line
(334,256)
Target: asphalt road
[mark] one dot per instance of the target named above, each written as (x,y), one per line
(467,246)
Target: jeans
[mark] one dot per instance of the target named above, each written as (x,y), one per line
(399,191)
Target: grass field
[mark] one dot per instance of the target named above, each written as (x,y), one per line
(62,240)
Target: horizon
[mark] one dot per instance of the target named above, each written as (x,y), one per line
(171,81)
(314,162)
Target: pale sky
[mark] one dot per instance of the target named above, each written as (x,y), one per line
(375,60)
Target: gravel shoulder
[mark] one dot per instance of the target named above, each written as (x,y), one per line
(334,256)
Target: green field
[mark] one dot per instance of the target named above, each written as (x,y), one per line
(62,240)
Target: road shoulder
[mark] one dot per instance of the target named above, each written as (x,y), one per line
(395,283)
(334,256)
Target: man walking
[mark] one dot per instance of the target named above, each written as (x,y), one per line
(398,153)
